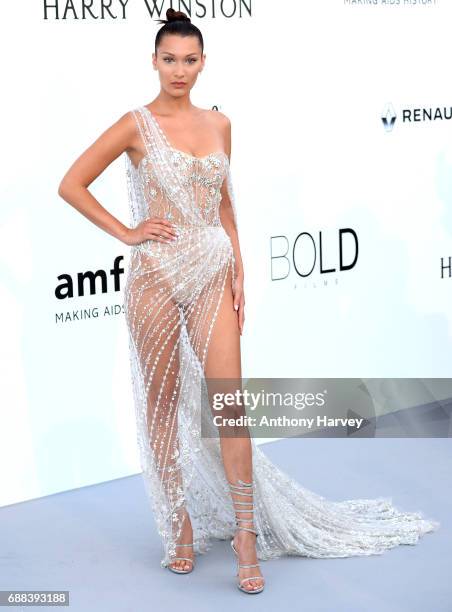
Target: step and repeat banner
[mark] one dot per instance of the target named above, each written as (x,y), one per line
(342,168)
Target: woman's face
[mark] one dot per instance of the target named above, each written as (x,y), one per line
(178,58)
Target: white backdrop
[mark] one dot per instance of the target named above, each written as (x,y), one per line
(310,153)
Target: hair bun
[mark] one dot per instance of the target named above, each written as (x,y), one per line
(172,15)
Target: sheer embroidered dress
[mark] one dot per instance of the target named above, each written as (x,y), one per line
(171,300)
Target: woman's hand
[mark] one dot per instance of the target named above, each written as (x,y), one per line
(239,300)
(155,228)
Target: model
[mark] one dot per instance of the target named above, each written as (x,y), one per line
(184,305)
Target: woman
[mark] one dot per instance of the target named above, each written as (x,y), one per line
(184,305)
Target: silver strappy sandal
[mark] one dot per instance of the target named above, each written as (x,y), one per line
(244,489)
(181,571)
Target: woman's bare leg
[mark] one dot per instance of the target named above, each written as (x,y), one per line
(154,320)
(224,361)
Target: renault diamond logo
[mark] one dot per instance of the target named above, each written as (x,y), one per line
(388,117)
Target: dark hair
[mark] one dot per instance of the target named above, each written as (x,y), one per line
(177,22)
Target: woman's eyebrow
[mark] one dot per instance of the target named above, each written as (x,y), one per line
(188,54)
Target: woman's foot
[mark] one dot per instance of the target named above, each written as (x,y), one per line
(245,545)
(186,537)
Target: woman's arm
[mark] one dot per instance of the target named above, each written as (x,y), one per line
(121,136)
(226,210)
(228,221)
(73,187)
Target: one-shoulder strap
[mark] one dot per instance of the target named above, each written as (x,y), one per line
(143,127)
(154,140)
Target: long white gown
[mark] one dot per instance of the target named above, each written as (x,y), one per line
(172,296)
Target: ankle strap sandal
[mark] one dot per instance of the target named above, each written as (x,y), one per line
(244,489)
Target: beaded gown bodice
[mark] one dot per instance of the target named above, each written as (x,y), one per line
(202,176)
(172,299)
(177,186)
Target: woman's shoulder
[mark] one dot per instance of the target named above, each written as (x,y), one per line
(131,118)
(127,117)
(219,121)
(218,116)
(125,129)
